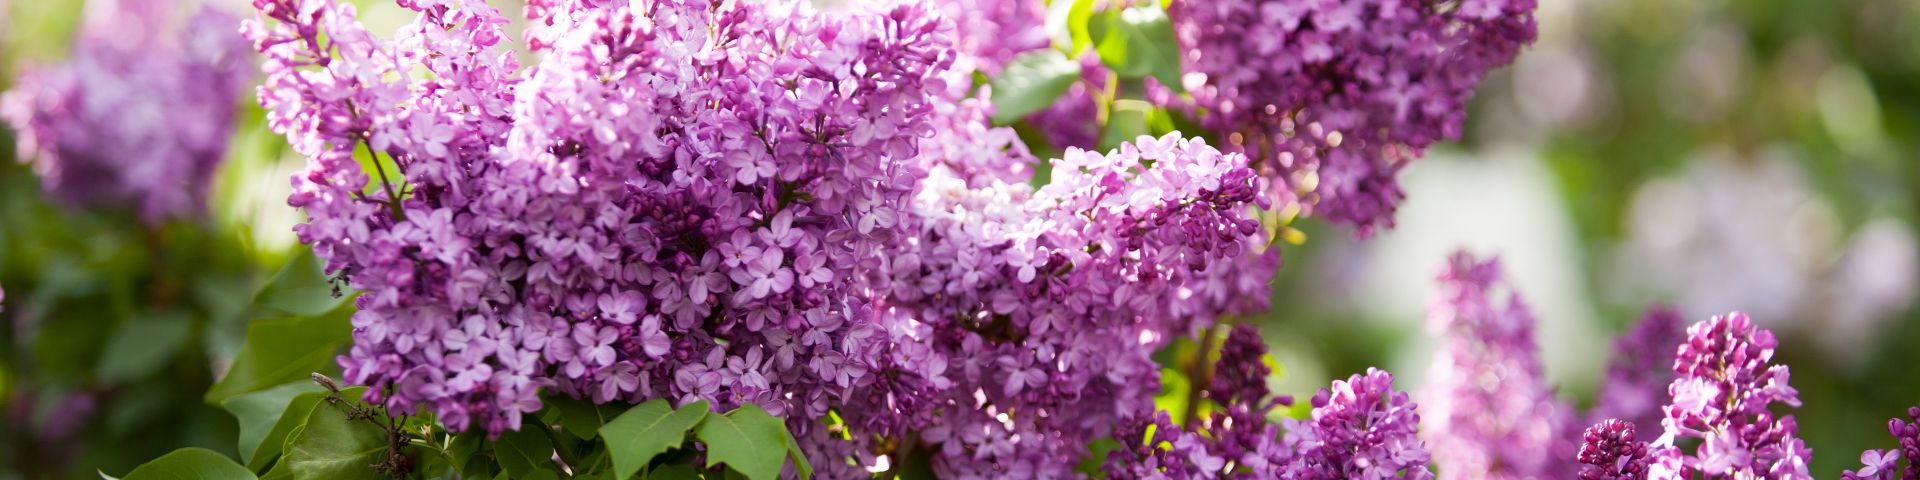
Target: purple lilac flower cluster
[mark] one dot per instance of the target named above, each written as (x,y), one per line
(1333,98)
(1637,376)
(648,212)
(1723,384)
(1360,428)
(1490,412)
(139,117)
(1038,308)
(1609,451)
(742,203)
(1884,464)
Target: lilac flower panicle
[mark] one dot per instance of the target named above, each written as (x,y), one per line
(139,117)
(1723,386)
(1361,428)
(650,211)
(1885,464)
(1609,451)
(1637,376)
(1237,428)
(1489,409)
(1333,98)
(742,203)
(1039,307)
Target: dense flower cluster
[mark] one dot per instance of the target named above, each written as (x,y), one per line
(1638,374)
(742,203)
(1334,97)
(1608,451)
(140,116)
(1360,428)
(1884,464)
(1490,412)
(1723,384)
(1047,302)
(650,211)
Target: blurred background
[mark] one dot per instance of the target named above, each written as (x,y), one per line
(1711,155)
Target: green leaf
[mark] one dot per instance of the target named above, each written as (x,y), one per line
(143,345)
(190,464)
(1138,42)
(1174,390)
(300,289)
(330,446)
(1096,456)
(800,463)
(748,441)
(525,451)
(1126,123)
(1066,22)
(582,418)
(646,431)
(674,472)
(282,350)
(262,413)
(468,455)
(1031,82)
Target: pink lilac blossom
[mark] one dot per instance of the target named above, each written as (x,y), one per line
(1332,98)
(1609,451)
(1040,307)
(139,117)
(1723,384)
(1637,376)
(1884,464)
(1490,412)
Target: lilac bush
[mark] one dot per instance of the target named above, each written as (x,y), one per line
(139,117)
(799,218)
(812,218)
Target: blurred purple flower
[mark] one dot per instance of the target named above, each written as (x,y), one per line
(1490,411)
(1639,372)
(140,116)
